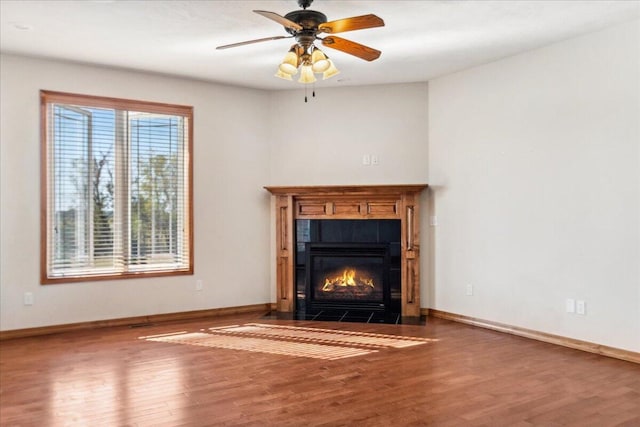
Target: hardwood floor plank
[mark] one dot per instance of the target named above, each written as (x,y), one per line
(458,376)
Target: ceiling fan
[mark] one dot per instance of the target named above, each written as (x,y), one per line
(305,26)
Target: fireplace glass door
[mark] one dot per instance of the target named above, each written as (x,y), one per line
(348,276)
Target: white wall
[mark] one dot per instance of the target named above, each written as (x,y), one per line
(231,209)
(534,163)
(535,166)
(235,130)
(322,142)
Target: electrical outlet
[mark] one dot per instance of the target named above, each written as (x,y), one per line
(433,220)
(366,159)
(570,305)
(469,289)
(581,307)
(28,298)
(198,285)
(375,160)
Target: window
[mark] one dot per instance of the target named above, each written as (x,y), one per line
(116,188)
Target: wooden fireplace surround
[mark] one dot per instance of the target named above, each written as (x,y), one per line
(348,202)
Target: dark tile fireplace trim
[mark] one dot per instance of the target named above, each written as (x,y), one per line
(348,202)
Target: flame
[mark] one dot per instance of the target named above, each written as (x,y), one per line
(348,278)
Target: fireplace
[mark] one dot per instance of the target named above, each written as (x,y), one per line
(296,210)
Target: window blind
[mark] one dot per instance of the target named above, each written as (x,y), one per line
(117,188)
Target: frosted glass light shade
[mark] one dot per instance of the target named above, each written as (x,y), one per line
(282,75)
(331,71)
(289,64)
(319,61)
(306,75)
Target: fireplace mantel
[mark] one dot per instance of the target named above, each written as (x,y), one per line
(348,202)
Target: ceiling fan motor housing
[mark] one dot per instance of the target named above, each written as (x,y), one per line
(307,19)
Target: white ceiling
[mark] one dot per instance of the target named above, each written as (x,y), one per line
(421,39)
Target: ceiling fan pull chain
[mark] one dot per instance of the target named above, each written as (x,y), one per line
(305,93)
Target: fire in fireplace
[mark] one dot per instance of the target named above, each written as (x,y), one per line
(350,281)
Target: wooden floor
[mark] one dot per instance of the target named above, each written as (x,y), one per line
(462,376)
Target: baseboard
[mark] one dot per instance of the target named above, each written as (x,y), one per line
(129,321)
(590,347)
(603,350)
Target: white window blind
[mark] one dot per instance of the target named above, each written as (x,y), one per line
(116,187)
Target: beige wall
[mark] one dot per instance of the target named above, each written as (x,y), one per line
(535,168)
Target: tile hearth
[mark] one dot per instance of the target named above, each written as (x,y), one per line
(358,316)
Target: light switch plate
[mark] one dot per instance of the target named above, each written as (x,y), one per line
(28,298)
(570,305)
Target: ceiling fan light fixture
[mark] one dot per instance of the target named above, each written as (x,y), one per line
(320,62)
(306,74)
(331,71)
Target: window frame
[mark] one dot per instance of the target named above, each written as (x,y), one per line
(49,97)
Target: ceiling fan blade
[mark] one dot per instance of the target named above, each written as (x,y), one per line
(350,24)
(227,46)
(279,19)
(352,48)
